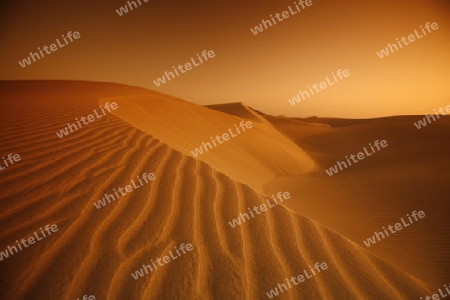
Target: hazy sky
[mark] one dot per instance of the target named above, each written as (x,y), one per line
(263,70)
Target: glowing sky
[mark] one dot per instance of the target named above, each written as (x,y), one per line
(263,70)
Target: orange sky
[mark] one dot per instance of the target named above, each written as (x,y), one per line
(263,71)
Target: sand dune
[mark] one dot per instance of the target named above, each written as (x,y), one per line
(240,110)
(410,174)
(190,201)
(254,157)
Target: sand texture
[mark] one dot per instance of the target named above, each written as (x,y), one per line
(193,199)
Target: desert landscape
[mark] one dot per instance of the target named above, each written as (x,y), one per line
(224,150)
(191,200)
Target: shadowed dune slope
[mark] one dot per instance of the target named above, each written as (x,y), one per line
(410,174)
(96,250)
(254,157)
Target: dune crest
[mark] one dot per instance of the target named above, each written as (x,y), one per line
(238,109)
(255,157)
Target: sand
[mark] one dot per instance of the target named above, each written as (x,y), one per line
(254,157)
(410,174)
(190,201)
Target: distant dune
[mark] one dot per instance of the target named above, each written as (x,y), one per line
(412,173)
(191,201)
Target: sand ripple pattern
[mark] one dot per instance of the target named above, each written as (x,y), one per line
(95,251)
